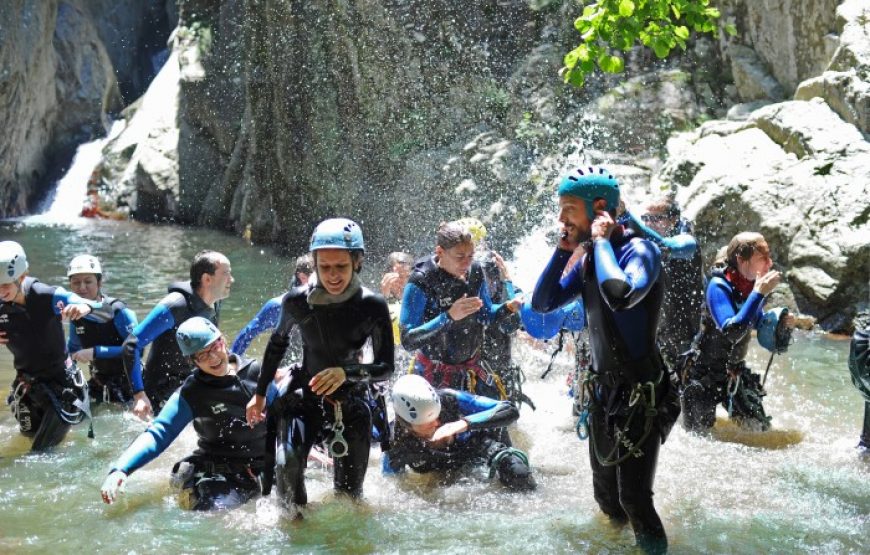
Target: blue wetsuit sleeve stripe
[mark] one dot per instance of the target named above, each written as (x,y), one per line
(158,321)
(734,324)
(483,412)
(416,333)
(624,288)
(62,298)
(176,414)
(552,290)
(266,319)
(73,344)
(125,321)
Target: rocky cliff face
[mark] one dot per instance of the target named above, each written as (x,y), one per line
(57,82)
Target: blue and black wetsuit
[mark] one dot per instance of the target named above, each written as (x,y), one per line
(166,368)
(620,282)
(104,331)
(267,320)
(448,351)
(47,383)
(728,321)
(479,445)
(333,335)
(224,470)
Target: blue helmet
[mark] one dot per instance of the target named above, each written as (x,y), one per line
(859,362)
(541,326)
(591,183)
(773,335)
(195,334)
(337,233)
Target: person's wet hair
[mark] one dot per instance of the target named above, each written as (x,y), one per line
(665,206)
(304,265)
(204,262)
(744,245)
(450,234)
(399,257)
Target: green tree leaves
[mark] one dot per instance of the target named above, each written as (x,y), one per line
(608,27)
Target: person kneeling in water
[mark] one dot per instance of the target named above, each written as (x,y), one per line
(446,429)
(224,470)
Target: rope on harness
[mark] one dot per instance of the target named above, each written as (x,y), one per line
(731,389)
(504,453)
(558,350)
(641,398)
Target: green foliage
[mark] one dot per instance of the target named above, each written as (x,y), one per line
(609,27)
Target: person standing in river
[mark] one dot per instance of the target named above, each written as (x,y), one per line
(49,393)
(97,338)
(735,295)
(328,395)
(859,368)
(630,400)
(166,368)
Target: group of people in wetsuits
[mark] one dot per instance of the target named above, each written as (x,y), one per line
(635,284)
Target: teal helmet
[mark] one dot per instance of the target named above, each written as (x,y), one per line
(541,326)
(773,334)
(337,233)
(591,183)
(195,334)
(859,362)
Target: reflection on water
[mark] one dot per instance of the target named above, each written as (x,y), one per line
(714,496)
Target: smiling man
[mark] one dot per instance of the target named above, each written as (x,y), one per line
(166,368)
(326,399)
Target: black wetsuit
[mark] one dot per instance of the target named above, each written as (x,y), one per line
(683,302)
(481,444)
(46,384)
(224,470)
(620,282)
(333,335)
(104,331)
(166,368)
(449,351)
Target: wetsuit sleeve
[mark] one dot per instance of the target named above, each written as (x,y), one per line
(62,298)
(176,414)
(553,290)
(624,288)
(734,325)
(276,348)
(158,321)
(266,319)
(482,412)
(507,321)
(682,246)
(390,464)
(414,331)
(383,347)
(73,344)
(125,322)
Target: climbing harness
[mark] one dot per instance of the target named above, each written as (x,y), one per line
(641,398)
(337,445)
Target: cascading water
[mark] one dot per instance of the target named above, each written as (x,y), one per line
(64,205)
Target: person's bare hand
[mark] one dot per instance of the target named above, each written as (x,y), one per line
(464,307)
(83,355)
(255,411)
(767,283)
(447,431)
(390,283)
(327,380)
(74,311)
(142,406)
(602,225)
(502,267)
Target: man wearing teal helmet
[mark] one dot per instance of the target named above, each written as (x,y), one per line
(630,403)
(327,399)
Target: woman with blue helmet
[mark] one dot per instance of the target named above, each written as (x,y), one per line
(224,470)
(327,396)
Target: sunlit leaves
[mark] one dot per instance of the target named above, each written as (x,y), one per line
(608,27)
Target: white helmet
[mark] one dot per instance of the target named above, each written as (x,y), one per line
(415,400)
(84,264)
(13,261)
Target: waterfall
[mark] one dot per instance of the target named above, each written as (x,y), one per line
(64,204)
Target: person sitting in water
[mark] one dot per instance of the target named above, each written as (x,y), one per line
(445,429)
(49,393)
(445,309)
(268,316)
(735,296)
(96,339)
(166,368)
(328,396)
(859,367)
(224,470)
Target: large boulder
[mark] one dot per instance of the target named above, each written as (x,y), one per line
(799,174)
